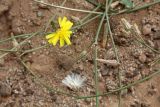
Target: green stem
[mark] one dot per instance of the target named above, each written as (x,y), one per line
(137,8)
(78,26)
(67,8)
(8,50)
(144,6)
(18,36)
(52,18)
(37,79)
(157,60)
(21,43)
(87,16)
(95,57)
(114,47)
(94,3)
(123,87)
(34,49)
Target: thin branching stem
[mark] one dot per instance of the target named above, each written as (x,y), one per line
(8,50)
(88,15)
(78,26)
(52,18)
(157,60)
(18,36)
(34,49)
(123,87)
(95,61)
(37,79)
(93,2)
(67,8)
(114,46)
(21,43)
(137,8)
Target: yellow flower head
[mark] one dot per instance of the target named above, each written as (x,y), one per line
(63,33)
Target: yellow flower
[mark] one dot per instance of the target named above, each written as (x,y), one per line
(63,33)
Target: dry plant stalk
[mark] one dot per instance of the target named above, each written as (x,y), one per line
(129,28)
(105,35)
(115,4)
(113,63)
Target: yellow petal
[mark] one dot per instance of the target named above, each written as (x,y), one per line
(68,33)
(67,25)
(55,40)
(64,23)
(50,41)
(60,21)
(50,36)
(67,40)
(64,20)
(61,42)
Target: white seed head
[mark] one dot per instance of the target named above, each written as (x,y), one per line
(74,81)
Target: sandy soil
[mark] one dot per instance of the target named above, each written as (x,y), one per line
(18,87)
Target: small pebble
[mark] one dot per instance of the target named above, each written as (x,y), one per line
(157,44)
(43,6)
(39,14)
(158,98)
(5,90)
(157,35)
(113,63)
(1,62)
(142,58)
(147,29)
(3,9)
(65,62)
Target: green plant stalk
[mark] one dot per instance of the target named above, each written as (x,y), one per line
(95,57)
(21,43)
(123,87)
(37,79)
(51,89)
(18,36)
(78,26)
(13,49)
(157,60)
(88,15)
(47,25)
(52,18)
(94,3)
(25,66)
(34,49)
(126,10)
(67,8)
(114,47)
(8,50)
(141,40)
(149,47)
(136,8)
(144,6)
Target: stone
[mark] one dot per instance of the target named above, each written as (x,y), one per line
(113,63)
(1,62)
(43,6)
(3,8)
(39,14)
(157,44)
(142,58)
(147,29)
(5,90)
(65,62)
(157,35)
